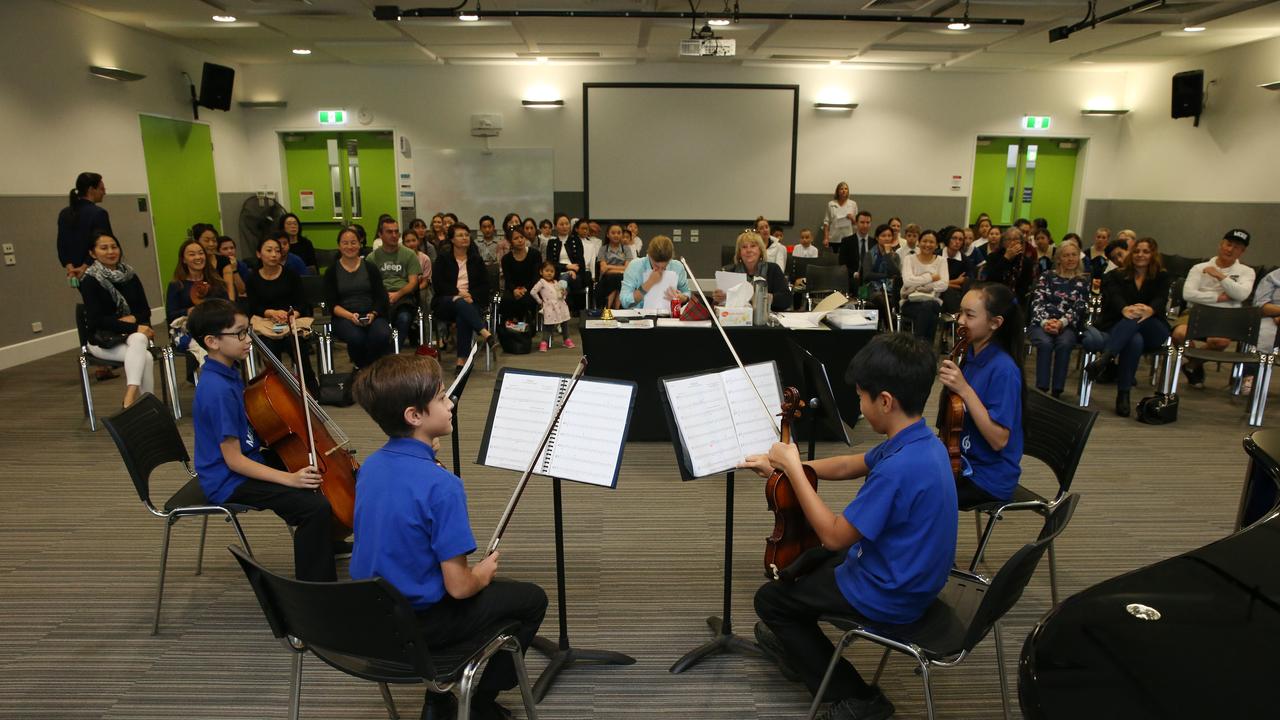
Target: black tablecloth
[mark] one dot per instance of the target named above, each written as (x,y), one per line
(647,355)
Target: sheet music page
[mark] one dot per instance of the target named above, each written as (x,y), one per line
(590,434)
(528,402)
(754,427)
(701,409)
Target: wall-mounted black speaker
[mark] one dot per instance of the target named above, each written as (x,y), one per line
(215,86)
(1188,94)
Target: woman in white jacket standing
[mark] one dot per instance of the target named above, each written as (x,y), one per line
(924,279)
(838,224)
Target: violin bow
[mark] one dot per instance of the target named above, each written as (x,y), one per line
(533,461)
(715,319)
(302,385)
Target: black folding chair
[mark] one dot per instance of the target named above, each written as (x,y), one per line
(726,254)
(86,360)
(822,280)
(968,608)
(367,629)
(1239,325)
(147,437)
(1055,433)
(322,315)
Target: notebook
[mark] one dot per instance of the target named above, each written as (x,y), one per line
(718,419)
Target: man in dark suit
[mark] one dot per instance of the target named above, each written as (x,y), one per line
(852,250)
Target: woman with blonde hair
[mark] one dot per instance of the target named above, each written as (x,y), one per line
(841,212)
(1058,308)
(748,259)
(644,273)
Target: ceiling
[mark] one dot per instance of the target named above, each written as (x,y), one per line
(344,31)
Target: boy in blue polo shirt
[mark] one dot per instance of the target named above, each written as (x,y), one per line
(899,531)
(412,528)
(229,460)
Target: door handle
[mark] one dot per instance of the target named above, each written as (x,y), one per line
(146,241)
(1011,190)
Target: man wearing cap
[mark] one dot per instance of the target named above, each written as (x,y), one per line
(1221,282)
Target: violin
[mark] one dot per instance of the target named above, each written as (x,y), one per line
(951,409)
(288,420)
(792,534)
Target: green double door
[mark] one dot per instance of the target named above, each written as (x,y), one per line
(1025,178)
(338,178)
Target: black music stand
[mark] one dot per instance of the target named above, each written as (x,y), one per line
(455,395)
(820,399)
(723,639)
(561,654)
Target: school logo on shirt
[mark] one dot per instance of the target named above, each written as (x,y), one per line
(250,440)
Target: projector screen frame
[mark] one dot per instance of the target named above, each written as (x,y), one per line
(795,130)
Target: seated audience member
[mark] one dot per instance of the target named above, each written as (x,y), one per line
(437,236)
(881,268)
(291,261)
(519,275)
(612,261)
(354,289)
(892,547)
(194,281)
(425,247)
(637,242)
(991,387)
(411,240)
(1223,281)
(1132,320)
(1096,260)
(462,291)
(1116,251)
(529,228)
(509,221)
(299,245)
(1058,308)
(960,271)
(646,272)
(549,293)
(591,243)
(224,267)
(910,237)
(982,252)
(1044,252)
(565,249)
(806,248)
(274,296)
(924,278)
(486,243)
(1267,297)
(776,252)
(1009,265)
(412,529)
(401,271)
(545,232)
(227,249)
(895,224)
(748,258)
(1129,237)
(118,316)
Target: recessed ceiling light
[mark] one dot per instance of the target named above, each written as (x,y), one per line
(468,16)
(718,22)
(224,18)
(833,62)
(301,51)
(542,59)
(958,26)
(1196,28)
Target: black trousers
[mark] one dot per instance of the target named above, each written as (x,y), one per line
(969,494)
(791,610)
(308,512)
(524,308)
(365,343)
(451,621)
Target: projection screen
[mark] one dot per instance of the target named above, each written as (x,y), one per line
(689,153)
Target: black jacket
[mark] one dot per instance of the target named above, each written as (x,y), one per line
(78,226)
(1119,292)
(377,290)
(572,251)
(444,278)
(851,251)
(101,310)
(283,293)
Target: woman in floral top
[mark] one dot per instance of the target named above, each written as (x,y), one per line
(1058,310)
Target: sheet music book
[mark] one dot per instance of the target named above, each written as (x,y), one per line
(718,419)
(586,443)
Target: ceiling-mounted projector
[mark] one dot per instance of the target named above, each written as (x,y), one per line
(708,47)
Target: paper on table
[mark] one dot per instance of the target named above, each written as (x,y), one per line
(800,320)
(627,313)
(636,324)
(657,295)
(677,322)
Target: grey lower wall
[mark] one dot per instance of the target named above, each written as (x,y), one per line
(1191,229)
(36,290)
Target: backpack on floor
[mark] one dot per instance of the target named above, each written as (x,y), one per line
(514,342)
(1159,409)
(335,389)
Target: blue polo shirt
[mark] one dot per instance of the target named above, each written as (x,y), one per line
(411,516)
(218,413)
(997,380)
(906,514)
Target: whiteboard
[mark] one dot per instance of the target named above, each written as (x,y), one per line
(471,182)
(692,153)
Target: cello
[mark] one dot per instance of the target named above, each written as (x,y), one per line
(792,534)
(951,410)
(289,421)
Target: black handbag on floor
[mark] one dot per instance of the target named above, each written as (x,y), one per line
(335,389)
(514,342)
(1159,409)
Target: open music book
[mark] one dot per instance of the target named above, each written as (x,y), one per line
(586,443)
(718,419)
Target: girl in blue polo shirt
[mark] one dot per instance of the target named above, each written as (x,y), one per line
(413,530)
(991,386)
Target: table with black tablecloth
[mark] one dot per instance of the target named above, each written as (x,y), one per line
(646,355)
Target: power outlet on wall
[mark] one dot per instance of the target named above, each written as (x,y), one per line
(37,327)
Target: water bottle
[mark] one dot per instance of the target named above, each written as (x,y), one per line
(759,301)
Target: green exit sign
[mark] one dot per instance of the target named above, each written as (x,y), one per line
(1035,122)
(334,117)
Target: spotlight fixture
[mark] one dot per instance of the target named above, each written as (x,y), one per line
(301,51)
(718,21)
(113,73)
(542,103)
(470,15)
(542,59)
(963,23)
(1092,19)
(1273,85)
(835,107)
(1194,29)
(1104,112)
(224,18)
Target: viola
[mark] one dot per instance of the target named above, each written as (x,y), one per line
(951,409)
(792,534)
(288,420)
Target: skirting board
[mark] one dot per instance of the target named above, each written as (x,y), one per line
(43,347)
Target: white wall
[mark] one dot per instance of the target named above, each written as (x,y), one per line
(1234,156)
(60,121)
(911,133)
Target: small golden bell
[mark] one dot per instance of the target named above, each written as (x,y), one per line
(607,314)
